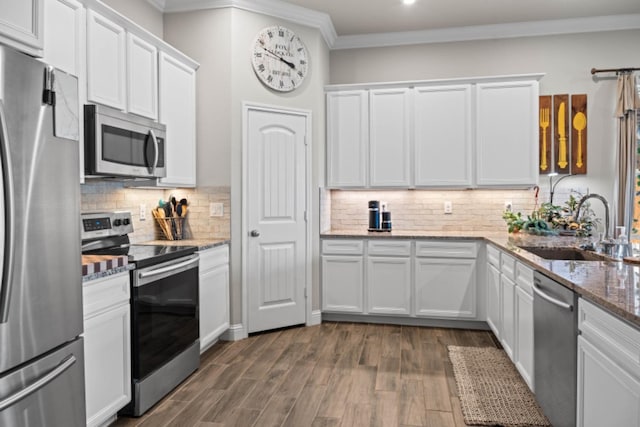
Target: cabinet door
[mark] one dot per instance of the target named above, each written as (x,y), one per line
(21,24)
(389,138)
(142,77)
(493,300)
(524,335)
(507,339)
(107,363)
(347,138)
(64,30)
(214,305)
(106,61)
(178,111)
(607,394)
(389,285)
(342,283)
(507,133)
(442,136)
(445,288)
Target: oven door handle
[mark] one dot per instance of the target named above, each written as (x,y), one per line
(193,260)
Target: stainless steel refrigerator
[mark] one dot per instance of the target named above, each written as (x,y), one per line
(41,353)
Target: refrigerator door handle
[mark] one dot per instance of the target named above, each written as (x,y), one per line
(38,384)
(6,251)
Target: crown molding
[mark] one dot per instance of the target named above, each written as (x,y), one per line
(276,8)
(322,21)
(497,31)
(158,4)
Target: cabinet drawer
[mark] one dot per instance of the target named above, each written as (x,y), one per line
(446,249)
(524,278)
(611,335)
(493,256)
(508,266)
(343,247)
(214,257)
(390,247)
(105,292)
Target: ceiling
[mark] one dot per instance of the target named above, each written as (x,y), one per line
(356,17)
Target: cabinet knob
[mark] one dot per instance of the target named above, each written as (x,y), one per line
(254,233)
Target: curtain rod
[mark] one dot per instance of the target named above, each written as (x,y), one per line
(613,70)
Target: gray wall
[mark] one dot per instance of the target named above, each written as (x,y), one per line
(220,40)
(140,12)
(566,61)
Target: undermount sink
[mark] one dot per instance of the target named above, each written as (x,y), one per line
(565,253)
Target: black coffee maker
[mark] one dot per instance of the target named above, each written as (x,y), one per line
(379,217)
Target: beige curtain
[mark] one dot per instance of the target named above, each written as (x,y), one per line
(627,104)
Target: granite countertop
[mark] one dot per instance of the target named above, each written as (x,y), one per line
(98,266)
(610,284)
(202,244)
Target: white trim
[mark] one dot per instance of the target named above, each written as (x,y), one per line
(315,318)
(496,31)
(276,8)
(251,106)
(234,333)
(158,4)
(323,23)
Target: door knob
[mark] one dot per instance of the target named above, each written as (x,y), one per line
(254,233)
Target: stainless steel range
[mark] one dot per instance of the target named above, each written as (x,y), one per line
(165,343)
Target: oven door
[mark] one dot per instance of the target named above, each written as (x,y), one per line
(164,313)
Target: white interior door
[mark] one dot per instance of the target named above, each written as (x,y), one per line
(275,219)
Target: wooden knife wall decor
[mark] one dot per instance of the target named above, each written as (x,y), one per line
(563,134)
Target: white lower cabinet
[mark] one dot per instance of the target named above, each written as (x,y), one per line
(508,337)
(214,294)
(389,277)
(107,347)
(494,300)
(524,323)
(410,278)
(608,369)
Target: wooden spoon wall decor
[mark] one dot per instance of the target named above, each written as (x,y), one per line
(579,134)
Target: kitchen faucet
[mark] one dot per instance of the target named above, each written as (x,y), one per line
(607,236)
(613,248)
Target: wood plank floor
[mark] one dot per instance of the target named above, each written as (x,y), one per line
(333,374)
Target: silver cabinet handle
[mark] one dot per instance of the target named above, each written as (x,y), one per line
(254,233)
(38,384)
(538,291)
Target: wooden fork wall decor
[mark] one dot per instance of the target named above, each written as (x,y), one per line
(562,128)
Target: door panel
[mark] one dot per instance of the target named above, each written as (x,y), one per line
(275,211)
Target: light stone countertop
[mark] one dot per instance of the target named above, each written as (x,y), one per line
(612,285)
(201,244)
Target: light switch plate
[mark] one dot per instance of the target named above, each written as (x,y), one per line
(448,207)
(143,212)
(216,209)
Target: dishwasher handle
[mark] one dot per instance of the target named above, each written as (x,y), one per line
(538,291)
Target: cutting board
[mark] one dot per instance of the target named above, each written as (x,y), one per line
(97,263)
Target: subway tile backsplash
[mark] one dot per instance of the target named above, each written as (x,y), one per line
(112,195)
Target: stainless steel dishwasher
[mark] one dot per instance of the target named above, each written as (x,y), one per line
(555,310)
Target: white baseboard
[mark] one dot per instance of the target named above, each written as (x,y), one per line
(316,318)
(235,333)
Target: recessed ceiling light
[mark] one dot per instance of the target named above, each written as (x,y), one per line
(408,1)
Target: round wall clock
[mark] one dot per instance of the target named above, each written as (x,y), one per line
(279,58)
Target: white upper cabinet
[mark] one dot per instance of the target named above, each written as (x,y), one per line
(142,77)
(347,138)
(106,61)
(21,25)
(178,112)
(390,137)
(507,133)
(442,136)
(64,35)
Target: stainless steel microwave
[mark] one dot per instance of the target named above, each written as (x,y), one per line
(118,144)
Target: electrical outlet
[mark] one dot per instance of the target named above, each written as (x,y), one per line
(216,209)
(143,212)
(508,206)
(448,207)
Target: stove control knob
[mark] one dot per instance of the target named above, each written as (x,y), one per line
(126,221)
(117,222)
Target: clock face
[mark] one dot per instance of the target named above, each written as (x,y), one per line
(280,58)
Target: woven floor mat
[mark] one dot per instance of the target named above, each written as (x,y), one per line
(491,391)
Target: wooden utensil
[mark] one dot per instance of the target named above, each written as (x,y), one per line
(544,124)
(579,123)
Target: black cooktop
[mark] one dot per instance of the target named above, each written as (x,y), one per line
(146,255)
